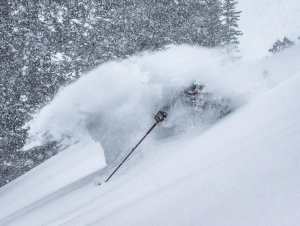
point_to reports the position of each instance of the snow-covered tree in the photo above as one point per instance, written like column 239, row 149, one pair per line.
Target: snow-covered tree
column 279, row 45
column 212, row 23
column 231, row 32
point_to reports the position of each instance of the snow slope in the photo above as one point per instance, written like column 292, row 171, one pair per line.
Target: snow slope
column 79, row 161
column 242, row 171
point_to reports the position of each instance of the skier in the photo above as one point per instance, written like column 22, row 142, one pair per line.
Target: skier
column 194, row 89
column 192, row 96
column 189, row 96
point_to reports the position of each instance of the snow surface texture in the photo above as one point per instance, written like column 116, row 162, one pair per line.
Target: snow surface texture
column 242, row 171
column 59, row 171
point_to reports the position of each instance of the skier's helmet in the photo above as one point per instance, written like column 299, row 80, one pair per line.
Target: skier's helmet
column 195, row 88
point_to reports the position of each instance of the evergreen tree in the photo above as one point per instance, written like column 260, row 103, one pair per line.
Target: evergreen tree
column 231, row 32
column 212, row 24
column 279, row 45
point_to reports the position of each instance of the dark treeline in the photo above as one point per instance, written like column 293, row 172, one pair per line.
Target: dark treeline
column 46, row 44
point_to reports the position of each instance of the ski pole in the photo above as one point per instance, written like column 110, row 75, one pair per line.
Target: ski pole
column 159, row 117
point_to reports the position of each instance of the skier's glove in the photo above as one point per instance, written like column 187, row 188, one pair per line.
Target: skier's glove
column 160, row 116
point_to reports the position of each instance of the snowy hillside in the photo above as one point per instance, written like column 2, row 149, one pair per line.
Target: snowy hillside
column 242, row 171
column 239, row 170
